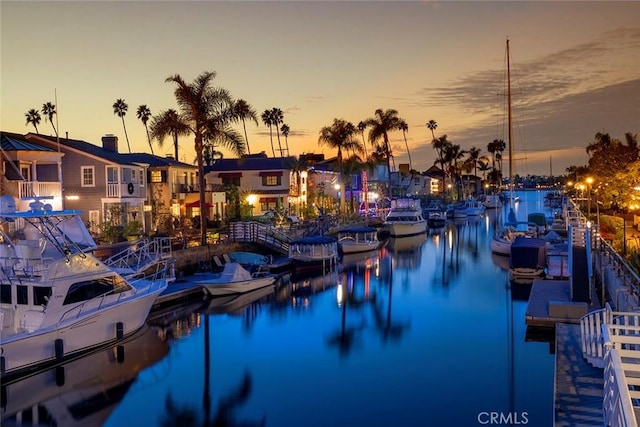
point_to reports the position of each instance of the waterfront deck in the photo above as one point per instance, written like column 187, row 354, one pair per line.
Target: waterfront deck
column 578, row 393
column 550, row 303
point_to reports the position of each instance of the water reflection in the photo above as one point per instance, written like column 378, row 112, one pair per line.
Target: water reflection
column 84, row 391
column 407, row 251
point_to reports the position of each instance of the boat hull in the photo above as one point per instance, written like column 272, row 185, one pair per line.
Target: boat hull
column 397, row 229
column 25, row 352
column 353, row 247
column 218, row 289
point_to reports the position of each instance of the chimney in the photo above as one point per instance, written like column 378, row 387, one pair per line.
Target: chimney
column 67, row 135
column 110, row 143
column 169, row 156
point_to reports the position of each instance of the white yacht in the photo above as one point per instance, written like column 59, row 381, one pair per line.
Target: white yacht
column 405, row 218
column 474, row 207
column 57, row 300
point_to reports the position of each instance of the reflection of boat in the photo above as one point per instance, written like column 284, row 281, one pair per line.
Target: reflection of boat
column 84, row 391
column 350, row 261
column 234, row 279
column 501, row 261
column 405, row 218
column 58, row 299
column 406, row 244
column 358, row 239
column 236, row 303
column 305, row 286
column 313, row 253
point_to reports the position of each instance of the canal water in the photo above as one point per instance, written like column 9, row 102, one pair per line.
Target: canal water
column 428, row 331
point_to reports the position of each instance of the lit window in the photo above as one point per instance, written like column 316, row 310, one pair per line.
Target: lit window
column 270, row 181
column 88, row 176
column 156, row 176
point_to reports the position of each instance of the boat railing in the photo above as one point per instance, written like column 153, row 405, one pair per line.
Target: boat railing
column 621, row 394
column 141, row 256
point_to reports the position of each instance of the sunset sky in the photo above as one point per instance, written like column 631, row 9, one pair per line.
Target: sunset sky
column 575, row 69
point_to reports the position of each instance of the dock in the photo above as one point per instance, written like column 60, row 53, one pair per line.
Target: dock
column 550, row 303
column 177, row 291
column 579, row 386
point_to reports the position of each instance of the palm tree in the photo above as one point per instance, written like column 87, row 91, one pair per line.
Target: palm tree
column 453, row 156
column 120, row 109
column 49, row 110
column 33, row 118
column 276, row 118
column 381, row 124
column 207, row 112
column 361, row 127
column 267, row 120
column 169, row 123
column 143, row 113
column 243, row 111
column 404, row 127
column 432, row 125
column 285, row 131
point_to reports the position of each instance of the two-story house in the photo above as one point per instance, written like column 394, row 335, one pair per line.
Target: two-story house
column 265, row 183
column 106, row 185
column 30, row 170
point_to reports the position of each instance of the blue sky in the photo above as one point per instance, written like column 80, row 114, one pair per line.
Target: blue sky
column 575, row 69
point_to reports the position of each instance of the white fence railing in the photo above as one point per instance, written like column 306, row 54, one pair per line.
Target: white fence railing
column 621, row 396
column 28, row 189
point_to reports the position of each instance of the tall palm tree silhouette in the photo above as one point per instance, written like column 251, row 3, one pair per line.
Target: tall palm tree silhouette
column 169, row 123
column 33, row 118
column 144, row 113
column 49, row 110
column 383, row 122
column 277, row 117
column 243, row 111
column 268, row 121
column 120, row 109
column 285, row 132
column 404, row 127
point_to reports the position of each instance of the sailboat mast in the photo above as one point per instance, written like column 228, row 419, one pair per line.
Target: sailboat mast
column 510, row 127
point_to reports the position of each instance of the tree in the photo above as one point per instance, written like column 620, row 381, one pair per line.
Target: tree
column 120, row 109
column 361, row 127
column 208, row 112
column 381, row 124
column 49, row 110
column 453, row 156
column 432, row 125
column 441, row 145
column 404, row 127
column 268, row 121
column 243, row 111
column 169, row 123
column 33, row 118
column 276, row 119
column 608, row 154
column 496, row 147
column 143, row 113
column 474, row 157
column 285, row 131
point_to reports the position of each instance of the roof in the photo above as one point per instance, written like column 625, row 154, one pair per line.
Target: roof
column 314, row 240
column 16, row 142
column 251, row 163
column 153, row 160
column 358, row 229
column 86, row 147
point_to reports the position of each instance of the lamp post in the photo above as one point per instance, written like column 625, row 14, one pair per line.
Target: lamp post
column 589, row 181
column 337, row 188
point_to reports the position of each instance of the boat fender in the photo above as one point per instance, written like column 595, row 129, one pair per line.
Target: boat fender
column 120, row 354
column 119, row 330
column 59, row 348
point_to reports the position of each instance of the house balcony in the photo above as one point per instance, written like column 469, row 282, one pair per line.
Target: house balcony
column 125, row 190
column 185, row 188
column 29, row 189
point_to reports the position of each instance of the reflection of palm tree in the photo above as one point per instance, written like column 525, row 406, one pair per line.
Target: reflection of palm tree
column 384, row 325
column 345, row 338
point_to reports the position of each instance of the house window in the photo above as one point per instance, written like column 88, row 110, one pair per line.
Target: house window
column 134, row 176
column 25, row 171
column 156, row 176
column 112, row 175
column 227, row 182
column 271, row 181
column 269, row 206
column 88, row 176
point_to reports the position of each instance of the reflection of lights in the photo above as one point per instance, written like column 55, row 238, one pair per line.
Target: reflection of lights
column 450, row 237
column 339, row 294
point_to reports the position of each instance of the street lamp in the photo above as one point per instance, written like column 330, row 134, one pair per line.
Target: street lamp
column 589, row 181
column 251, row 199
column 337, row 188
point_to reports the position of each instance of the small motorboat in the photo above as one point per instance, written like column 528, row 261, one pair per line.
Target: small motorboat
column 234, row 279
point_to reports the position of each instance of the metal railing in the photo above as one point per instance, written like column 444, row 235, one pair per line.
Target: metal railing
column 256, row 232
column 138, row 258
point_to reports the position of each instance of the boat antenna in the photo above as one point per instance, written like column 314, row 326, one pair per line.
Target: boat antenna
column 510, row 132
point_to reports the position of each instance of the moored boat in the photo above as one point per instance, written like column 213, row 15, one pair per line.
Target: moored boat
column 57, row 299
column 234, row 279
column 313, row 253
column 528, row 259
column 405, row 218
column 492, row 201
column 358, row 239
column 474, row 207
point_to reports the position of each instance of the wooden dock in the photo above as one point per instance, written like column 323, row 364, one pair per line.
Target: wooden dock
column 578, row 393
column 550, row 303
column 177, row 291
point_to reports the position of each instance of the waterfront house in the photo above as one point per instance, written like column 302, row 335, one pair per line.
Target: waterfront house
column 266, row 183
column 29, row 169
column 104, row 184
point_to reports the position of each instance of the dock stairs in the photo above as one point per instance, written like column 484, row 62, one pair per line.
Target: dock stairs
column 611, row 340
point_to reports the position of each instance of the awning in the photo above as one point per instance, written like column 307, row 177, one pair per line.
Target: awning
column 230, row 175
column 196, row 204
column 271, row 173
column 268, row 199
